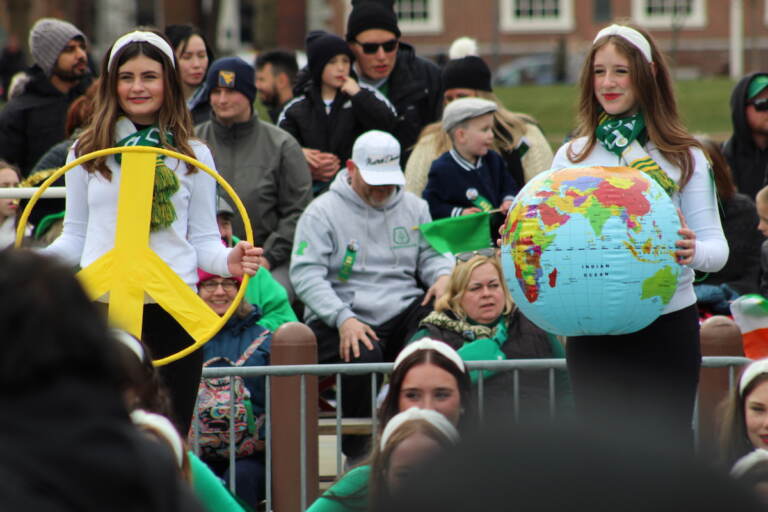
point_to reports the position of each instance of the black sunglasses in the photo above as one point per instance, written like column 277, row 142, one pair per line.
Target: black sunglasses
column 370, row 48
column 466, row 256
column 761, row 105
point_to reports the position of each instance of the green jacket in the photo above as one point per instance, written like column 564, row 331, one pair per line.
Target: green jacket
column 264, row 291
column 349, row 494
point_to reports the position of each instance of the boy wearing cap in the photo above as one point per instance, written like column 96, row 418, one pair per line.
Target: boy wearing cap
column 334, row 109
column 470, row 177
column 263, row 164
column 747, row 149
column 357, row 263
column 32, row 122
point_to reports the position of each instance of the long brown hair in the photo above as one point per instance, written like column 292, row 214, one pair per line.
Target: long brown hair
column 652, row 85
column 378, row 489
column 734, row 440
column 724, row 184
column 173, row 116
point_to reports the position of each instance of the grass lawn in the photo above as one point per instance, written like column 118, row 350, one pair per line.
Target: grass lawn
column 704, row 105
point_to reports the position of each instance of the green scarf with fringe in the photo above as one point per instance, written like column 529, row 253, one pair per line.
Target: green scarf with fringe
column 625, row 138
column 166, row 181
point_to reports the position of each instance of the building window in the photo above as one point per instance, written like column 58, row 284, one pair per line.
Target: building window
column 670, row 13
column 602, row 11
column 536, row 15
column 419, row 16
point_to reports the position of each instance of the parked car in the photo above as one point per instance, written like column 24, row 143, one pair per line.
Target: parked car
column 531, row 69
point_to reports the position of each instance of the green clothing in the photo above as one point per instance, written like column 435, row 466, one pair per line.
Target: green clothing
column 209, row 488
column 349, row 494
column 264, row 291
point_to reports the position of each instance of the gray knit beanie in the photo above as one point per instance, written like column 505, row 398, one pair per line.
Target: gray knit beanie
column 47, row 38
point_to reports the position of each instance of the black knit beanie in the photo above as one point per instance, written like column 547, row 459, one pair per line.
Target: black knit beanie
column 233, row 73
column 371, row 14
column 470, row 72
column 322, row 47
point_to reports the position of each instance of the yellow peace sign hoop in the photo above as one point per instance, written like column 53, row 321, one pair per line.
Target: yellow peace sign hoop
column 131, row 255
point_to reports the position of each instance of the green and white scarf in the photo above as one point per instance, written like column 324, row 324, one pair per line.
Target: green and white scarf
column 166, row 181
column 625, row 137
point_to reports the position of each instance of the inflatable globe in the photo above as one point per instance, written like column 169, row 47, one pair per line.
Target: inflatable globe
column 591, row 250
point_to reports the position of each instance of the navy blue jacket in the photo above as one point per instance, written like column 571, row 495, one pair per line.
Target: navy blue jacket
column 232, row 340
column 448, row 182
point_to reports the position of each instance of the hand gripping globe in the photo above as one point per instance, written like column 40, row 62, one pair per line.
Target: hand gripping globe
column 591, row 250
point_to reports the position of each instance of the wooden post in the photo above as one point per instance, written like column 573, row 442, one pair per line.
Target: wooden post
column 720, row 336
column 294, row 343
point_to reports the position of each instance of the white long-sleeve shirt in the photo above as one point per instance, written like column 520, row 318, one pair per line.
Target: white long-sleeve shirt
column 190, row 242
column 696, row 200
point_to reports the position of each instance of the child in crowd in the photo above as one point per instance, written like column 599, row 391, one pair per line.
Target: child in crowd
column 334, row 109
column 9, row 178
column 761, row 202
column 470, row 177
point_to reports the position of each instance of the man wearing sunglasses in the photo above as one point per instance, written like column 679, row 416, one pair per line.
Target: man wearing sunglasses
column 747, row 149
column 412, row 84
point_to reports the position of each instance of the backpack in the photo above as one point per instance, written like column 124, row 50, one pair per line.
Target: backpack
column 213, row 411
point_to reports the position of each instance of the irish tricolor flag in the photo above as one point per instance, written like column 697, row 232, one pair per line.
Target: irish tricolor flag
column 751, row 315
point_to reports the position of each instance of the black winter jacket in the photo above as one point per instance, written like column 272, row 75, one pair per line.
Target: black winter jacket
column 415, row 88
column 305, row 118
column 748, row 162
column 33, row 122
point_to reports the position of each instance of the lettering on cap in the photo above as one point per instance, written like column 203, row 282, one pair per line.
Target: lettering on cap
column 380, row 160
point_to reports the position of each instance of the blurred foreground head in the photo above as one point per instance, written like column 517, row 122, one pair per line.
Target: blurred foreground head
column 50, row 327
column 568, row 467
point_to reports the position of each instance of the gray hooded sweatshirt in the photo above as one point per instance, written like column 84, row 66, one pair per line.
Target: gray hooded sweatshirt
column 389, row 256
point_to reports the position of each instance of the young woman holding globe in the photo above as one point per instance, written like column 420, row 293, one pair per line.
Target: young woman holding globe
column 628, row 115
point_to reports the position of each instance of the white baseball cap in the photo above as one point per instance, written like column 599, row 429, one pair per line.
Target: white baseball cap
column 377, row 155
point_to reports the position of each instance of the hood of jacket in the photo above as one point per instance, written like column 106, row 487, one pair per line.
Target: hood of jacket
column 741, row 131
column 343, row 188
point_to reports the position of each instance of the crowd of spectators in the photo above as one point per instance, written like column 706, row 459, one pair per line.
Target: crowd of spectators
column 365, row 144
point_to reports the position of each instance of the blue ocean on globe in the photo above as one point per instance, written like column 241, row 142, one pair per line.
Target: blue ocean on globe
column 591, row 250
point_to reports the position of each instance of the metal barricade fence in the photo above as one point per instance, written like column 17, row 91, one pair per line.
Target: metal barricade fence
column 374, row 369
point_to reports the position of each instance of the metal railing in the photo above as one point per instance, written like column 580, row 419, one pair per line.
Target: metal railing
column 27, row 192
column 374, row 369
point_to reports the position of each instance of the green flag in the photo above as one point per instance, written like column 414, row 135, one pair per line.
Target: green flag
column 459, row 234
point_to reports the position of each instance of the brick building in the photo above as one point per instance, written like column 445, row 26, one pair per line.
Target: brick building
column 695, row 33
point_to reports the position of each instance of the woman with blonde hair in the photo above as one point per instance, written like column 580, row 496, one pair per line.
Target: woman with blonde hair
column 517, row 137
column 477, row 317
column 628, row 117
column 139, row 102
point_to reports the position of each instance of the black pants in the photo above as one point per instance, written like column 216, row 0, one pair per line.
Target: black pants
column 164, row 336
column 356, row 390
column 643, row 382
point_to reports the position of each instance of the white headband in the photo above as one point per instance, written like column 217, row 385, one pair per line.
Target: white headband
column 629, row 34
column 130, row 342
column 430, row 344
column 746, row 463
column 753, row 370
column 436, row 419
column 138, row 36
column 162, row 426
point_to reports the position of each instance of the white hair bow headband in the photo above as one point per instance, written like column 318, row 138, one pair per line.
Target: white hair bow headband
column 162, row 426
column 436, row 419
column 139, row 36
column 630, row 35
column 430, row 344
column 753, row 370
